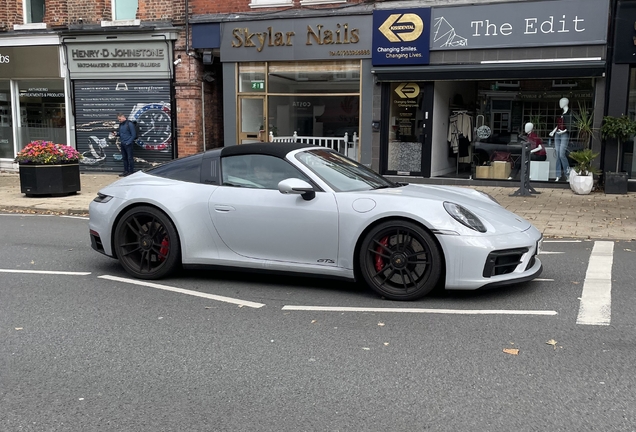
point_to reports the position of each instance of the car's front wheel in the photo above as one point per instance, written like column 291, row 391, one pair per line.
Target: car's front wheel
column 146, row 243
column 400, row 260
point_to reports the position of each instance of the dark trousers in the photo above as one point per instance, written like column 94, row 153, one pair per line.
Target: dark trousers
column 533, row 157
column 127, row 156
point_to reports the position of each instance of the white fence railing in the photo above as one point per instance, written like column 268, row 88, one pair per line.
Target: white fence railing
column 340, row 144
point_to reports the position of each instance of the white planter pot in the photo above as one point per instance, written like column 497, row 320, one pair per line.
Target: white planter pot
column 581, row 185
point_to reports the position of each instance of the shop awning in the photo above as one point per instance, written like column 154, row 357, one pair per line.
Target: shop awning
column 489, row 71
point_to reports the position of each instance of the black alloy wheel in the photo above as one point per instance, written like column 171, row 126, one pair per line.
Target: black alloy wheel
column 400, row 260
column 146, row 243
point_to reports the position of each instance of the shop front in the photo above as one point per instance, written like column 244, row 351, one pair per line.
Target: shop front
column 619, row 157
column 33, row 99
column 303, row 79
column 494, row 74
column 128, row 74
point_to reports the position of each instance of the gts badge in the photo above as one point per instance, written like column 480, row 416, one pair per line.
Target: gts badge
column 326, row 261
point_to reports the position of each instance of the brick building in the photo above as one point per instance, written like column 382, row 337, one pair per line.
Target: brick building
column 67, row 68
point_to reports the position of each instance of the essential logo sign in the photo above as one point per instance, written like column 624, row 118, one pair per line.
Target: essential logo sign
column 407, row 90
column 401, row 37
column 4, row 58
column 402, row 27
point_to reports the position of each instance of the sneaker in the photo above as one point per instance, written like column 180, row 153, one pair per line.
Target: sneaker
column 557, row 179
column 123, row 174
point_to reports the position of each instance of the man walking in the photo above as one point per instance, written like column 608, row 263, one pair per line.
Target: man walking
column 127, row 136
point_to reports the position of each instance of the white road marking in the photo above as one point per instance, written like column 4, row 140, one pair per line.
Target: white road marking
column 45, row 272
column 184, row 291
column 25, row 214
column 543, row 280
column 561, row 241
column 75, row 217
column 412, row 310
column 596, row 301
column 550, row 253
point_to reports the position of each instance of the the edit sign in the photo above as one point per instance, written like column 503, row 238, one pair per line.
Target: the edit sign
column 536, row 23
column 401, row 37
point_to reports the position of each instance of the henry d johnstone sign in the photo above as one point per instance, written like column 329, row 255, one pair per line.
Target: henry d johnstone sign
column 518, row 24
column 122, row 59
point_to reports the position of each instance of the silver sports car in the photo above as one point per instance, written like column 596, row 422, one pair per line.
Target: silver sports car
column 304, row 209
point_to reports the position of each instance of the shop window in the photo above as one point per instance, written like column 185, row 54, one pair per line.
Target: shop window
column 33, row 11
column 627, row 149
column 125, row 9
column 269, row 3
column 42, row 111
column 310, row 99
column 6, row 123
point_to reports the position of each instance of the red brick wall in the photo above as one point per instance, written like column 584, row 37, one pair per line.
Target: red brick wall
column 199, row 7
column 10, row 13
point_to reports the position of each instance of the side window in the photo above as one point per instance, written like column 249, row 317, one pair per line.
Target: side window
column 257, row 171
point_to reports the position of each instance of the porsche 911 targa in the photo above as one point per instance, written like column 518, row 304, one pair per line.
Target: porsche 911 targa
column 295, row 208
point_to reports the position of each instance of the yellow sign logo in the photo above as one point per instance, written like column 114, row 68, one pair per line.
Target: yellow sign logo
column 407, row 90
column 408, row 26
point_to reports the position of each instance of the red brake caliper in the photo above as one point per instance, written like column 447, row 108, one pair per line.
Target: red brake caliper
column 379, row 261
column 165, row 247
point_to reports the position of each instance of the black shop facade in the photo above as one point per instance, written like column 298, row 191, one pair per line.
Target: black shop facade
column 481, row 75
column 129, row 74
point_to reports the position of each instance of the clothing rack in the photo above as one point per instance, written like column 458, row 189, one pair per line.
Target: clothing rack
column 464, row 130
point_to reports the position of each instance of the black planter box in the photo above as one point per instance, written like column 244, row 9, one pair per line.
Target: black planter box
column 49, row 179
column 615, row 182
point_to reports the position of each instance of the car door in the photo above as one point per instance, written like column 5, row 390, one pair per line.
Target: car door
column 255, row 220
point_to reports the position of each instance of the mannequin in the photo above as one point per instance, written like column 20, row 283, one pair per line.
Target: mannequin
column 561, row 134
column 537, row 151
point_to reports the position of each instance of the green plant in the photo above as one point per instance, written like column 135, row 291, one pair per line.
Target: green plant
column 620, row 128
column 584, row 159
column 583, row 122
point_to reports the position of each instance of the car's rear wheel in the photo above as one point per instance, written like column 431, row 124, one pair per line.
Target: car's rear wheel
column 146, row 243
column 400, row 260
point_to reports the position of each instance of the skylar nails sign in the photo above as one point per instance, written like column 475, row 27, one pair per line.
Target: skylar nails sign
column 523, row 23
column 335, row 37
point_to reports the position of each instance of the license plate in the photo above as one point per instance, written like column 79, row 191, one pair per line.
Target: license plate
column 540, row 246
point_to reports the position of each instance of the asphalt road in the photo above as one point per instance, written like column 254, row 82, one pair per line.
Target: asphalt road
column 97, row 352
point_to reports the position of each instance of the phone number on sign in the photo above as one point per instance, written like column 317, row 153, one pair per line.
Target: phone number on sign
column 349, row 53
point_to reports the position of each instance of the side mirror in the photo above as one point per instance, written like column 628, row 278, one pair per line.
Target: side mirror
column 298, row 187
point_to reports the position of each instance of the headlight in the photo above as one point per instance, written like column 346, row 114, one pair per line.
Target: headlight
column 464, row 216
column 102, row 198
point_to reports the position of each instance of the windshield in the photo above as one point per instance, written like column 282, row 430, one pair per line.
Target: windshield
column 342, row 174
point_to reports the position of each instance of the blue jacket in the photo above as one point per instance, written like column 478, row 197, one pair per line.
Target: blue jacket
column 127, row 134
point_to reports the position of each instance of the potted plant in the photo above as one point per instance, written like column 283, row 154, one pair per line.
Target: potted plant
column 583, row 122
column 47, row 168
column 621, row 129
column 582, row 174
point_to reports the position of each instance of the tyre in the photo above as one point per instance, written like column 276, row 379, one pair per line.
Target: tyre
column 400, row 261
column 147, row 244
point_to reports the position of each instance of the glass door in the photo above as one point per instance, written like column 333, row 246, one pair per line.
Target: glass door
column 252, row 120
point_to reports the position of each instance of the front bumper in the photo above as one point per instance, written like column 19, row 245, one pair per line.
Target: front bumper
column 474, row 262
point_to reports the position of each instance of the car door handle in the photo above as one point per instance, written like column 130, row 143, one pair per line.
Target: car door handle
column 223, row 208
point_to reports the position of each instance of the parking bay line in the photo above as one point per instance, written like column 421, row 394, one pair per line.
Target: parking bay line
column 417, row 310
column 596, row 300
column 51, row 272
column 184, row 291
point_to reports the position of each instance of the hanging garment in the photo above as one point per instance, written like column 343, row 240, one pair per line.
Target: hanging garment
column 460, row 126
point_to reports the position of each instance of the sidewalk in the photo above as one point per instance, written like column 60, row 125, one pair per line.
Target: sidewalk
column 556, row 212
